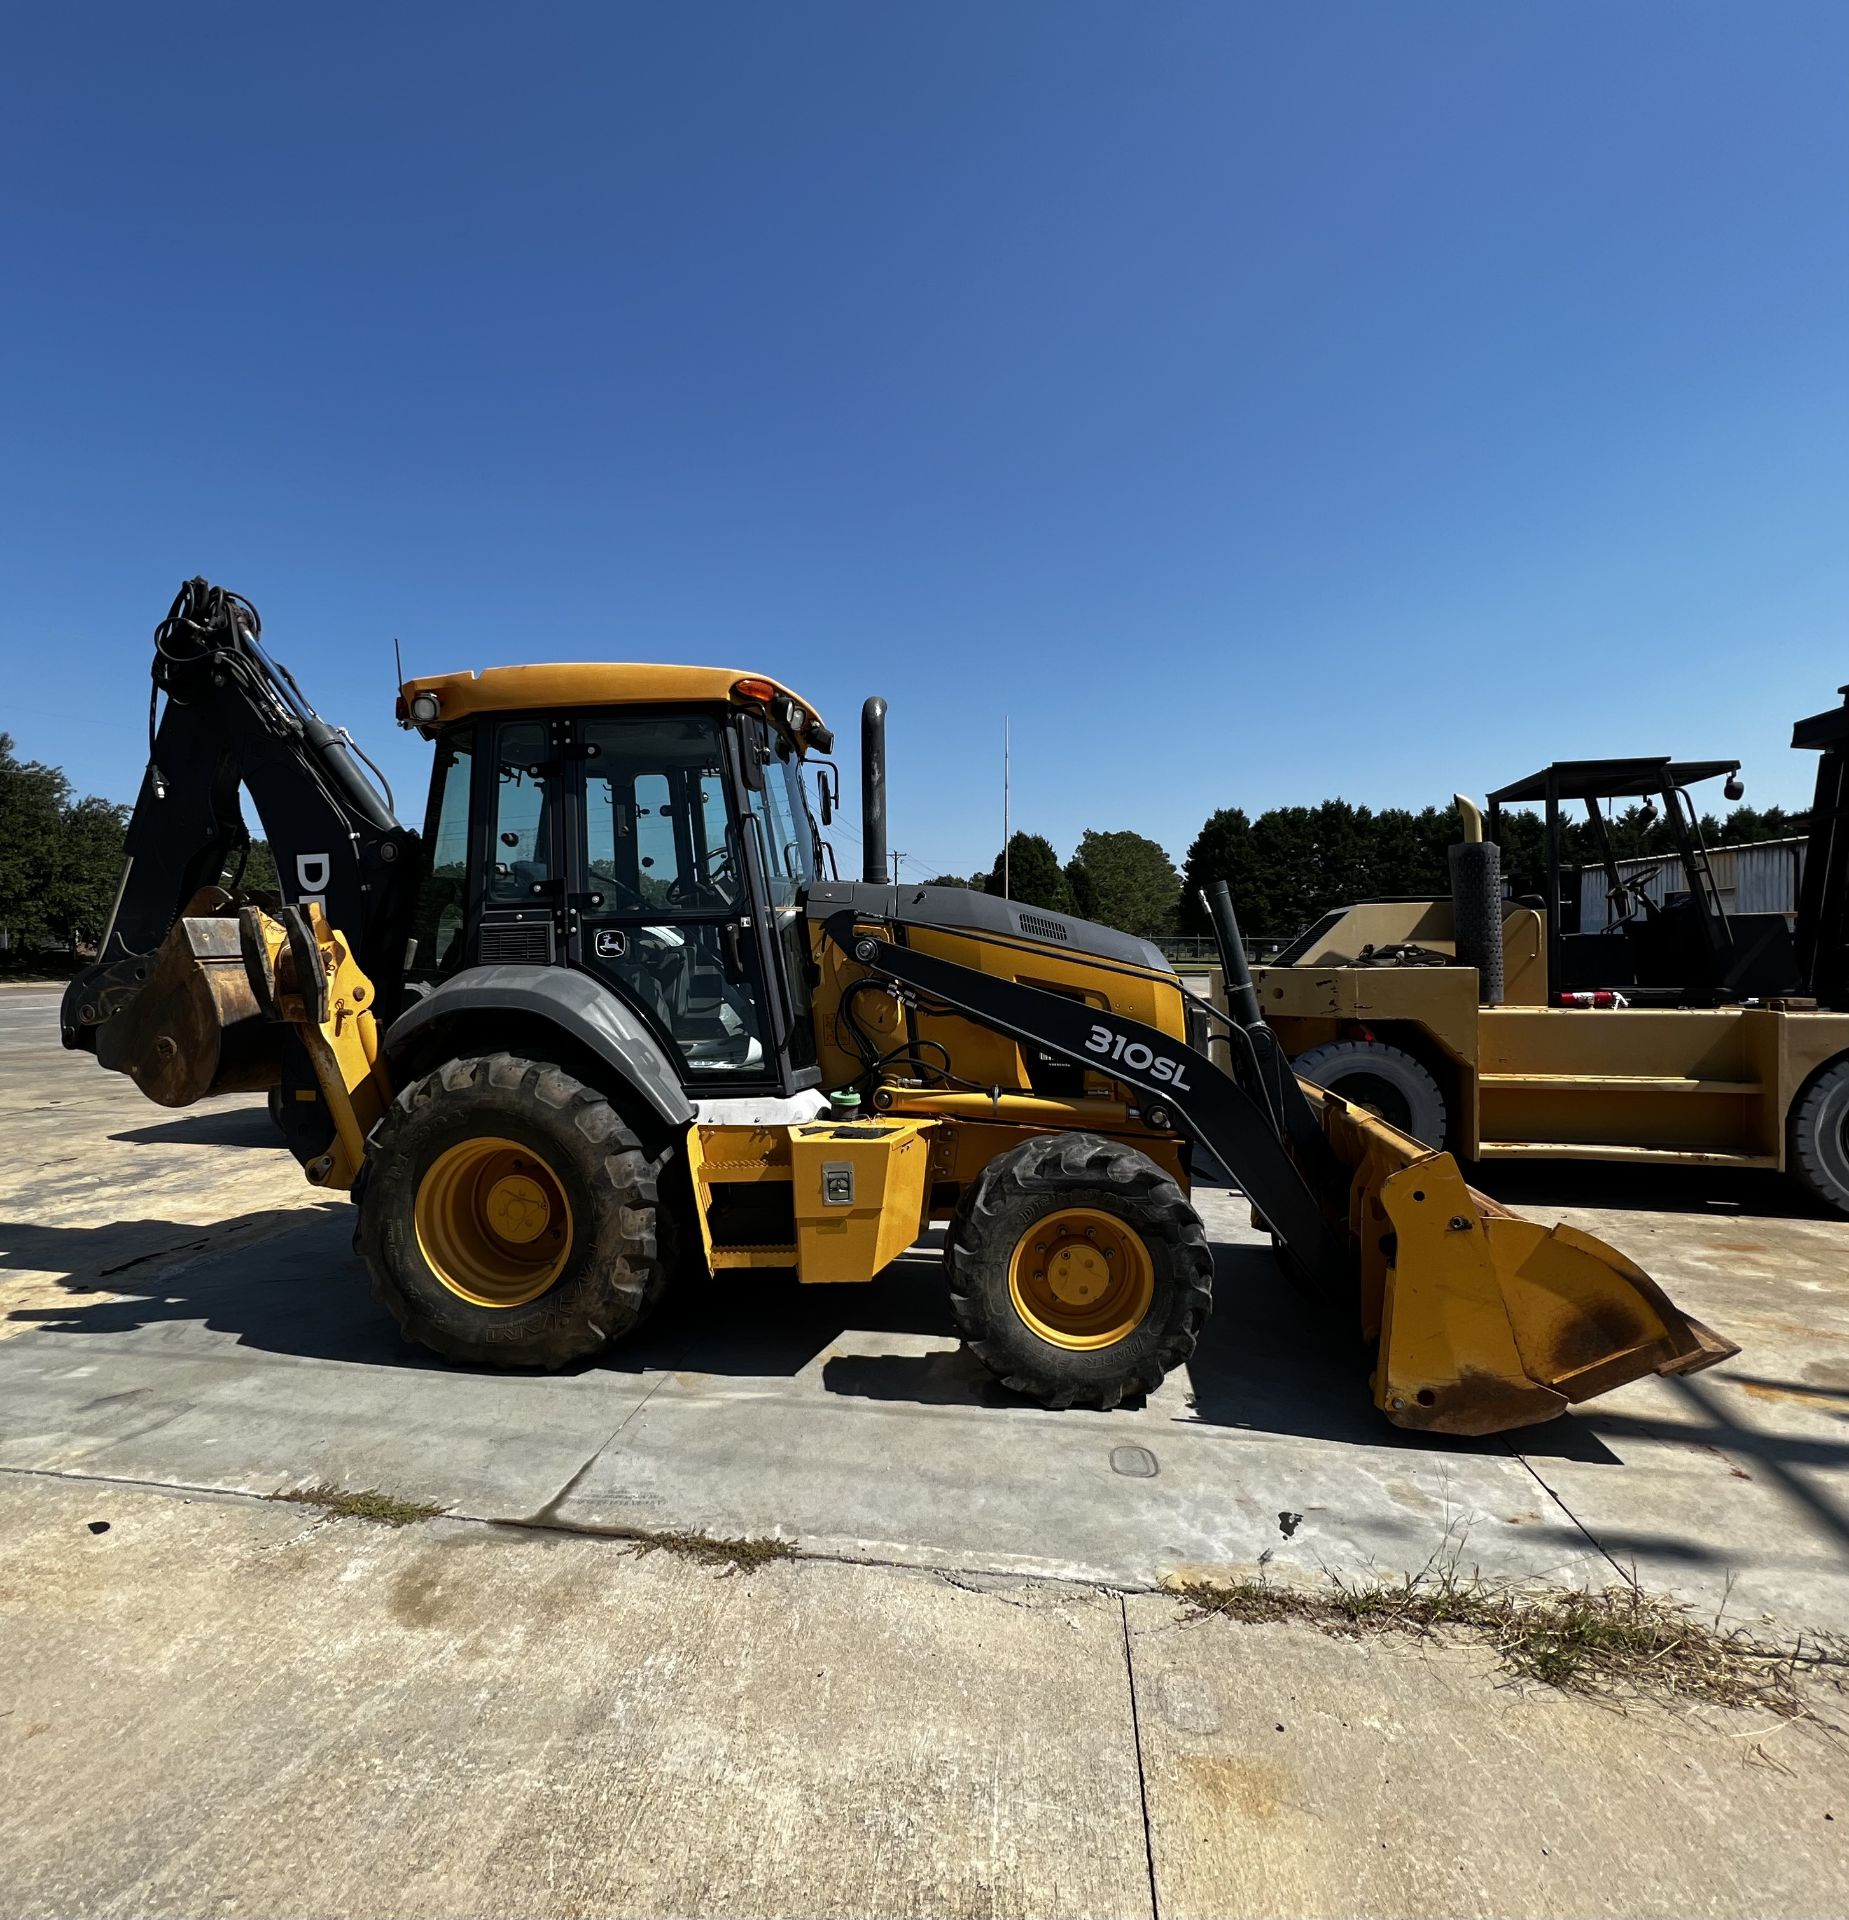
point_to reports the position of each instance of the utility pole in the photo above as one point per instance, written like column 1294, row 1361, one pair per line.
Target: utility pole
column 897, row 856
column 1006, row 754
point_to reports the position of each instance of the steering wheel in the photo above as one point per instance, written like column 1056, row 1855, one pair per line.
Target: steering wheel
column 705, row 888
column 1635, row 891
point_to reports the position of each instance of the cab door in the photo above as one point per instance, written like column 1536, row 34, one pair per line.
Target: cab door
column 663, row 900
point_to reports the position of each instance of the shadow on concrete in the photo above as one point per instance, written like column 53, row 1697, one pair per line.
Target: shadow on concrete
column 283, row 1280
column 286, row 1281
column 237, row 1127
column 1819, row 1393
column 1267, row 1362
column 1789, row 1461
column 1719, row 1191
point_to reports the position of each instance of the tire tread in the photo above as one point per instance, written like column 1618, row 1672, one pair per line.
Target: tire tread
column 1049, row 1165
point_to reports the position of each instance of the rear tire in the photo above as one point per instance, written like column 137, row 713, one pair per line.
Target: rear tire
column 1078, row 1271
column 1817, row 1137
column 1386, row 1080
column 511, row 1217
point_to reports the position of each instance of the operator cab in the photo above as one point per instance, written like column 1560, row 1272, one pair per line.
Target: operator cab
column 1685, row 950
column 646, row 825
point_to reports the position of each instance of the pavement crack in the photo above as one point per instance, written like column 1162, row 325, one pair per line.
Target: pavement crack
column 547, row 1514
column 993, row 1586
column 159, row 1253
column 228, row 1233
column 1626, row 1574
column 1142, row 1778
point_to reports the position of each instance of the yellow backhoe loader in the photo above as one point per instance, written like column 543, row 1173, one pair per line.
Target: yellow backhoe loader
column 1678, row 1032
column 606, row 1025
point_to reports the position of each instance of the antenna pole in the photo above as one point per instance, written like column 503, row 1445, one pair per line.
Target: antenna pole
column 1007, row 744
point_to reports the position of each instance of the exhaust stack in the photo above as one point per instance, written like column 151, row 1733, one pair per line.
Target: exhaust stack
column 873, row 791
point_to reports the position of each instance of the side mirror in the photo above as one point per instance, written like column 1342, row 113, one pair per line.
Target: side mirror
column 825, row 795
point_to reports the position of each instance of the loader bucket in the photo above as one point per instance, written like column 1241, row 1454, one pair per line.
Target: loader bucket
column 194, row 1027
column 1484, row 1320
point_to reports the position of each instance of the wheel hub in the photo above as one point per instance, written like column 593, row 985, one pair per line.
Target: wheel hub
column 517, row 1208
column 1082, row 1278
column 1077, row 1274
column 493, row 1222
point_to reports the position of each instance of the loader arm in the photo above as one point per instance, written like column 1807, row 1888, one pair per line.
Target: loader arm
column 1484, row 1321
column 1169, row 1077
column 168, row 999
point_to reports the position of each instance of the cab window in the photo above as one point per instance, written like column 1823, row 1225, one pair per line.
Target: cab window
column 438, row 926
column 520, row 861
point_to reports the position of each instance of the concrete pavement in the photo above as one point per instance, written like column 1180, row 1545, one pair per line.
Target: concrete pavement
column 221, row 1705
column 964, row 1698
column 178, row 1307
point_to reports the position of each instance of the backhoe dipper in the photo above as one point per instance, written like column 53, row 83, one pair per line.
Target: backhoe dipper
column 605, row 1024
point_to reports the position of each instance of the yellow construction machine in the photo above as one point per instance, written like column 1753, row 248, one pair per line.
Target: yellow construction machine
column 605, row 1026
column 1677, row 1031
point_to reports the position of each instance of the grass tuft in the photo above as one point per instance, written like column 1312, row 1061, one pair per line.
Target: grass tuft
column 1616, row 1643
column 386, row 1508
column 735, row 1556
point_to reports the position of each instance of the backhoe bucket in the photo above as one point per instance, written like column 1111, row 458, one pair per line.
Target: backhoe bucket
column 1484, row 1320
column 194, row 1027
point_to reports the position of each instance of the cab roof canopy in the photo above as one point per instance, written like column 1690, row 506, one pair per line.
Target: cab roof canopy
column 1611, row 779
column 600, row 683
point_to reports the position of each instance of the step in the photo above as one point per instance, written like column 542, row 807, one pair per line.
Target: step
column 1594, row 1150
column 1614, row 1083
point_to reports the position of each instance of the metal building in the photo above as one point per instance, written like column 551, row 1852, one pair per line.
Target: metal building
column 1758, row 878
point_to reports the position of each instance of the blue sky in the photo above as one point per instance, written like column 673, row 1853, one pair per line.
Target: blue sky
column 1255, row 402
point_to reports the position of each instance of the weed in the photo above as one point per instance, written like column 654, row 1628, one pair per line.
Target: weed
column 1617, row 1642
column 386, row 1508
column 735, row 1556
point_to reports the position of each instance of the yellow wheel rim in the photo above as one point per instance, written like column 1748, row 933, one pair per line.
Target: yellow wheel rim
column 1081, row 1278
column 493, row 1222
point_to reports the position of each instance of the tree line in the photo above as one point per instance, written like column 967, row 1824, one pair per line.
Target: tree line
column 60, row 856
column 1289, row 865
column 61, row 860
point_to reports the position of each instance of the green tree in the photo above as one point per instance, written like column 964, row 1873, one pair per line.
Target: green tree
column 82, row 890
column 1410, row 849
column 1223, row 850
column 1035, row 878
column 60, row 860
column 259, row 869
column 947, row 880
column 1125, row 880
column 1746, row 824
column 33, row 797
column 1083, row 891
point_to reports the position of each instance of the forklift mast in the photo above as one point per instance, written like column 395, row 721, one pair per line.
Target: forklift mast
column 1823, row 898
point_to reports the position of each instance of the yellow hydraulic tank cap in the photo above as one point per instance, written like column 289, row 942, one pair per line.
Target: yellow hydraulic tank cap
column 517, row 1208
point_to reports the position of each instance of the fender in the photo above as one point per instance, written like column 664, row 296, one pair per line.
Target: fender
column 573, row 1002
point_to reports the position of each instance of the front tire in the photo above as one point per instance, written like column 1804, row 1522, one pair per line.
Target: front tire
column 1079, row 1274
column 511, row 1217
column 1817, row 1137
